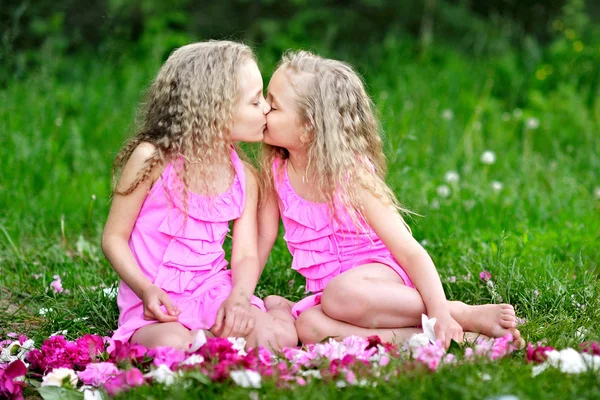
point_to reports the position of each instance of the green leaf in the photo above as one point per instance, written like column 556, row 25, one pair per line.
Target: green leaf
column 59, row 393
column 454, row 347
column 198, row 376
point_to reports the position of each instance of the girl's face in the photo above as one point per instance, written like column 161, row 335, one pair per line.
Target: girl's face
column 284, row 128
column 249, row 116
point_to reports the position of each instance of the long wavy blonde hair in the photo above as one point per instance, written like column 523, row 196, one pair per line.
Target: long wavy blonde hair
column 345, row 150
column 188, row 113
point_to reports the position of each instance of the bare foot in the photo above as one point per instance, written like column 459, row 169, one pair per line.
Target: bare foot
column 274, row 302
column 493, row 320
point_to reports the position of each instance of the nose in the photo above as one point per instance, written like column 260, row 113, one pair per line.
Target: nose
column 266, row 108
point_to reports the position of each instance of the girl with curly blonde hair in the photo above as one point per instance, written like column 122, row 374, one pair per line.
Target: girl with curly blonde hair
column 179, row 181
column 324, row 174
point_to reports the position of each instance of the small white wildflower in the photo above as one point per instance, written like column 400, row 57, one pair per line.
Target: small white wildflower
column 581, row 333
column 485, row 377
column 505, row 116
column 44, row 311
column 424, row 242
column 532, row 123
column 60, row 333
column 448, row 114
column 443, row 191
column 488, row 157
column 246, row 378
column 469, row 204
column 517, row 113
column 597, row 193
column 490, row 283
column 58, row 376
column 313, row 373
column 452, row 177
column 435, row 204
column 93, row 197
column 497, row 186
column 110, row 292
column 81, row 319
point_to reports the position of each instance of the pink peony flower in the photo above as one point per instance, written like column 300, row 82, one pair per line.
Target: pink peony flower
column 96, row 374
column 166, row 355
column 56, row 284
column 431, row 354
column 10, row 388
column 124, row 381
column 485, row 276
column 537, row 354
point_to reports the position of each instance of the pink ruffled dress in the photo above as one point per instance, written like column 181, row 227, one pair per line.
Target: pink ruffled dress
column 323, row 247
column 184, row 258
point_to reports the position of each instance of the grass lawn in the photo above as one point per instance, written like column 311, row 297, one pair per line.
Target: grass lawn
column 531, row 218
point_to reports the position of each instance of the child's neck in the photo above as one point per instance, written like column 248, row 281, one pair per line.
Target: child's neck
column 299, row 161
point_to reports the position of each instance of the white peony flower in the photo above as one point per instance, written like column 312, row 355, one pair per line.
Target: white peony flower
column 9, row 353
column 443, row 191
column 199, row 341
column 488, row 157
column 246, row 378
column 193, row 360
column 91, row 394
column 239, row 344
column 162, row 374
column 569, row 361
column 428, row 327
column 58, row 376
column 416, row 341
column 452, row 177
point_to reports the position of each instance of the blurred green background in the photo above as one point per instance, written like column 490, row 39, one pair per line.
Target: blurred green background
column 452, row 80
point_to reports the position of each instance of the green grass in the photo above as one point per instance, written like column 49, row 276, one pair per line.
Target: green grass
column 62, row 125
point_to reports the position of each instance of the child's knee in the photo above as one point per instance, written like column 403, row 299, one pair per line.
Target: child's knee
column 343, row 302
column 307, row 327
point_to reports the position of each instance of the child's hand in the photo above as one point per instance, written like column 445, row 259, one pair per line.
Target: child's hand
column 234, row 318
column 447, row 329
column 153, row 297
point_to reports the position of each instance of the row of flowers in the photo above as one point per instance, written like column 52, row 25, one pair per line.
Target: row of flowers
column 86, row 368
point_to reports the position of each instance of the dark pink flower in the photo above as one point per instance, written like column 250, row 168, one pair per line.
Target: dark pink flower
column 537, row 354
column 591, row 347
column 9, row 388
column 485, row 276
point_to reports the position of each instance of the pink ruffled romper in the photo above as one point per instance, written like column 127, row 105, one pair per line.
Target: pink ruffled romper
column 187, row 262
column 322, row 247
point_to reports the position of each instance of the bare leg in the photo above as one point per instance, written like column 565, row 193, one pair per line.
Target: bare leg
column 171, row 334
column 374, row 296
column 313, row 326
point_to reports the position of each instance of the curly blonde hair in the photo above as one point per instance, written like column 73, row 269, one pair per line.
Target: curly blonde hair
column 345, row 150
column 188, row 113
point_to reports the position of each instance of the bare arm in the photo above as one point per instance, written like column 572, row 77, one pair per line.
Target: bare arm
column 413, row 258
column 123, row 213
column 268, row 227
column 245, row 267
